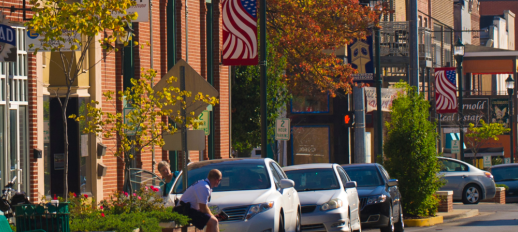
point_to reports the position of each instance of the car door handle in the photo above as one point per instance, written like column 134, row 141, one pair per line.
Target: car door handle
column 464, row 176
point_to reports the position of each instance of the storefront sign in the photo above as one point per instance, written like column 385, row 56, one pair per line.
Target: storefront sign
column 37, row 41
column 387, row 96
column 142, row 9
column 474, row 109
column 7, row 41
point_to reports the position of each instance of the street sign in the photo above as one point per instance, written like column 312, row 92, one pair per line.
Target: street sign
column 195, row 141
column 487, row 161
column 507, row 160
column 455, row 146
column 205, row 119
column 194, row 82
column 282, row 129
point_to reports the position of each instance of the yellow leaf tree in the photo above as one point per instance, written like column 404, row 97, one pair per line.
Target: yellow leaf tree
column 140, row 128
column 66, row 27
column 478, row 136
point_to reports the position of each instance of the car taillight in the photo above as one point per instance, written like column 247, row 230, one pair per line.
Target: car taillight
column 488, row 175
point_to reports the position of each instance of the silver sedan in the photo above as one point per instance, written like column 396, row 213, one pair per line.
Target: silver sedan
column 468, row 183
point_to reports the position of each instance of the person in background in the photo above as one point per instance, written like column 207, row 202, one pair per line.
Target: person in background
column 194, row 202
column 165, row 170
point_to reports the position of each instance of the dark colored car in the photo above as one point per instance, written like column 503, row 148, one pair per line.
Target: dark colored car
column 507, row 174
column 380, row 200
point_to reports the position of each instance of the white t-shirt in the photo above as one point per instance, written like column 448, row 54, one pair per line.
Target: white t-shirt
column 198, row 193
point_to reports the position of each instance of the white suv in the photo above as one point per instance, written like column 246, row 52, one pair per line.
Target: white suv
column 255, row 194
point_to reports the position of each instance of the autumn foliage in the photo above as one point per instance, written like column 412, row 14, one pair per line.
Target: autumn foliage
column 305, row 28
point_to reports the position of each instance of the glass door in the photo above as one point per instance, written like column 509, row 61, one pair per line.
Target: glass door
column 18, row 154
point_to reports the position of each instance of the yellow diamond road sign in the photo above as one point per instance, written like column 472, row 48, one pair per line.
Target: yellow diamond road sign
column 194, row 82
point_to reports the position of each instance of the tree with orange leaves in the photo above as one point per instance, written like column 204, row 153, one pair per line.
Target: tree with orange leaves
column 304, row 28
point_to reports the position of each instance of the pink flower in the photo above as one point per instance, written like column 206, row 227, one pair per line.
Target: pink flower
column 156, row 189
column 101, row 207
column 139, row 198
column 75, row 195
column 134, row 194
column 146, row 188
column 126, row 194
column 86, row 196
column 152, row 188
column 102, row 214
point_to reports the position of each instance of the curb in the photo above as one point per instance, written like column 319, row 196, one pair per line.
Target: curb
column 423, row 222
column 468, row 213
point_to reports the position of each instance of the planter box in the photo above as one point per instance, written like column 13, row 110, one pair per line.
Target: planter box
column 499, row 196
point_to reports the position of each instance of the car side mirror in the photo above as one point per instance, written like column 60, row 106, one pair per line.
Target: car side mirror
column 287, row 183
column 351, row 184
column 393, row 182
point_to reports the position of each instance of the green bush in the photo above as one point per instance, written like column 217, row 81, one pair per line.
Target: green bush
column 410, row 153
column 503, row 185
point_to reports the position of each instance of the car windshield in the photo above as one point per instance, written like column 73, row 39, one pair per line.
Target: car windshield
column 236, row 177
column 364, row 176
column 505, row 173
column 313, row 179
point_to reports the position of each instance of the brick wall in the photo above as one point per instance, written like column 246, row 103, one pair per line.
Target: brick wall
column 491, row 7
column 445, row 201
column 499, row 196
column 442, row 12
column 475, row 23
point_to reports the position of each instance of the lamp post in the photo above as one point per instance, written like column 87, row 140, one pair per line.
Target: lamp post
column 459, row 55
column 509, row 82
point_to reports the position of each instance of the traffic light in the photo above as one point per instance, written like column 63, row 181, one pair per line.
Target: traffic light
column 349, row 119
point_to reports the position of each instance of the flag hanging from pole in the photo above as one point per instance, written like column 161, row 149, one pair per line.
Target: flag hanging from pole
column 445, row 90
column 240, row 32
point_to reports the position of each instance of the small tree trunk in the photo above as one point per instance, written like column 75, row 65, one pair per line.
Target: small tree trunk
column 65, row 130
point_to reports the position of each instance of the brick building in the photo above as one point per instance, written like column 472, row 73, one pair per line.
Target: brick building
column 494, row 7
column 36, row 80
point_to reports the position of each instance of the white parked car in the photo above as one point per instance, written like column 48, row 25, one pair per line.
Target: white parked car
column 255, row 194
column 328, row 197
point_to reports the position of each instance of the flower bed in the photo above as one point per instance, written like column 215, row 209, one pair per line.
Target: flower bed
column 123, row 212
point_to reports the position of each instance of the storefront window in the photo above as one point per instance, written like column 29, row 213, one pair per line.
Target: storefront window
column 310, row 144
column 310, row 104
column 2, row 139
column 23, row 158
column 86, row 183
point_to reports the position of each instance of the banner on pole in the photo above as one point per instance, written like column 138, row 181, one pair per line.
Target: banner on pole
column 445, row 90
column 240, row 32
column 387, row 96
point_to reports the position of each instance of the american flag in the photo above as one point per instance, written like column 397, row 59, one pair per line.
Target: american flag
column 240, row 32
column 445, row 90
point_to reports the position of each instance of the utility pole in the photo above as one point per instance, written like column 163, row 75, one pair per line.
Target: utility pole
column 263, row 84
column 413, row 46
column 379, row 84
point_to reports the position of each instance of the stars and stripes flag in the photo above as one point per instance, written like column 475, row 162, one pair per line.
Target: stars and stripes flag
column 445, row 90
column 240, row 32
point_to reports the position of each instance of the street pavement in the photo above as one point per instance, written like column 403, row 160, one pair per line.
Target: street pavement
column 492, row 217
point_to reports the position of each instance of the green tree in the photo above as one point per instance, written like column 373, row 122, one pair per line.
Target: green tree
column 141, row 127
column 411, row 155
column 246, row 107
column 478, row 136
column 75, row 25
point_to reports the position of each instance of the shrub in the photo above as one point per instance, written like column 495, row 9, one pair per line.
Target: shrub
column 123, row 211
column 503, row 185
column 410, row 153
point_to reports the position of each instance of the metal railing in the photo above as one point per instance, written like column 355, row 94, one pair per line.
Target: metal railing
column 394, row 39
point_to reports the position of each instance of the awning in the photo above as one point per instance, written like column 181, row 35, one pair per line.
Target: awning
column 487, row 60
column 493, row 151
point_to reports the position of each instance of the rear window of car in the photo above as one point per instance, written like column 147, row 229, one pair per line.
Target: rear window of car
column 313, row 179
column 235, row 177
column 364, row 176
column 505, row 173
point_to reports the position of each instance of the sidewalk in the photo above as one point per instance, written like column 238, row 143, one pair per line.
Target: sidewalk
column 458, row 213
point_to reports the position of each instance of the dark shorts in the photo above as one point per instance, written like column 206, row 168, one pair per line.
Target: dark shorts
column 197, row 218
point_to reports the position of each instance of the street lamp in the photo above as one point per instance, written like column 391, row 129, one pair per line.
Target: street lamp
column 509, row 82
column 459, row 55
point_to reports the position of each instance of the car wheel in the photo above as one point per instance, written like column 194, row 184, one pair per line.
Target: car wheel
column 281, row 224
column 297, row 226
column 400, row 225
column 390, row 226
column 471, row 194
